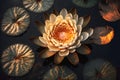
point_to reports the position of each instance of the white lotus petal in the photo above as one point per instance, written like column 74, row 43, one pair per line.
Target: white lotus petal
column 62, row 50
column 80, row 21
column 76, row 17
column 72, row 47
column 72, row 50
column 63, row 12
column 69, row 15
column 48, row 26
column 90, row 31
column 79, row 29
column 85, row 35
column 53, row 48
column 81, row 37
column 65, row 53
column 42, row 40
column 38, row 42
column 52, row 18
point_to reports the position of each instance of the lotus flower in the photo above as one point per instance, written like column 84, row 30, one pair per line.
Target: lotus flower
column 61, row 35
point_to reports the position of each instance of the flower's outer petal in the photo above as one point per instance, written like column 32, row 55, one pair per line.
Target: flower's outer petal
column 53, row 48
column 75, row 45
column 83, row 49
column 40, row 26
column 58, row 59
column 52, row 18
column 65, row 53
column 79, row 29
column 85, row 35
column 80, row 21
column 86, row 21
column 55, row 12
column 81, row 38
column 63, row 12
column 72, row 47
column 76, row 17
column 72, row 50
column 46, row 16
column 73, row 58
column 58, row 20
column 46, row 53
column 69, row 15
column 48, row 26
column 90, row 31
column 36, row 41
column 73, row 11
column 42, row 40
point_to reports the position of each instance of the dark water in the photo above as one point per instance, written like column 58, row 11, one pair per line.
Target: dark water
column 110, row 52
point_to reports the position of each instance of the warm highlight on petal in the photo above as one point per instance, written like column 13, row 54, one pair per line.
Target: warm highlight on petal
column 46, row 53
column 58, row 59
column 73, row 58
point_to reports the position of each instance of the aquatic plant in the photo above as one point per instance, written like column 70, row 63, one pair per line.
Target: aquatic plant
column 15, row 21
column 38, row 5
column 99, row 69
column 110, row 10
column 60, row 73
column 85, row 3
column 17, row 60
column 61, row 35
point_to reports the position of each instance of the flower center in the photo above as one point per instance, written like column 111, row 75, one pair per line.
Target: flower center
column 63, row 33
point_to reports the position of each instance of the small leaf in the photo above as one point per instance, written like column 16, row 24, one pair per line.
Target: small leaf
column 46, row 53
column 73, row 58
column 86, row 21
column 58, row 59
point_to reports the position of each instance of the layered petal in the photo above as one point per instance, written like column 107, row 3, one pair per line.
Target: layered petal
column 36, row 41
column 63, row 12
column 64, row 53
column 85, row 35
column 58, row 59
column 46, row 53
column 73, row 58
column 83, row 49
column 52, row 18
column 86, row 21
column 40, row 26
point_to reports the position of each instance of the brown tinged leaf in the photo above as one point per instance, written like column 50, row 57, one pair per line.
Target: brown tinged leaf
column 40, row 26
column 73, row 58
column 55, row 12
column 36, row 41
column 86, row 20
column 46, row 16
column 103, row 35
column 46, row 53
column 58, row 59
column 73, row 11
column 83, row 49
